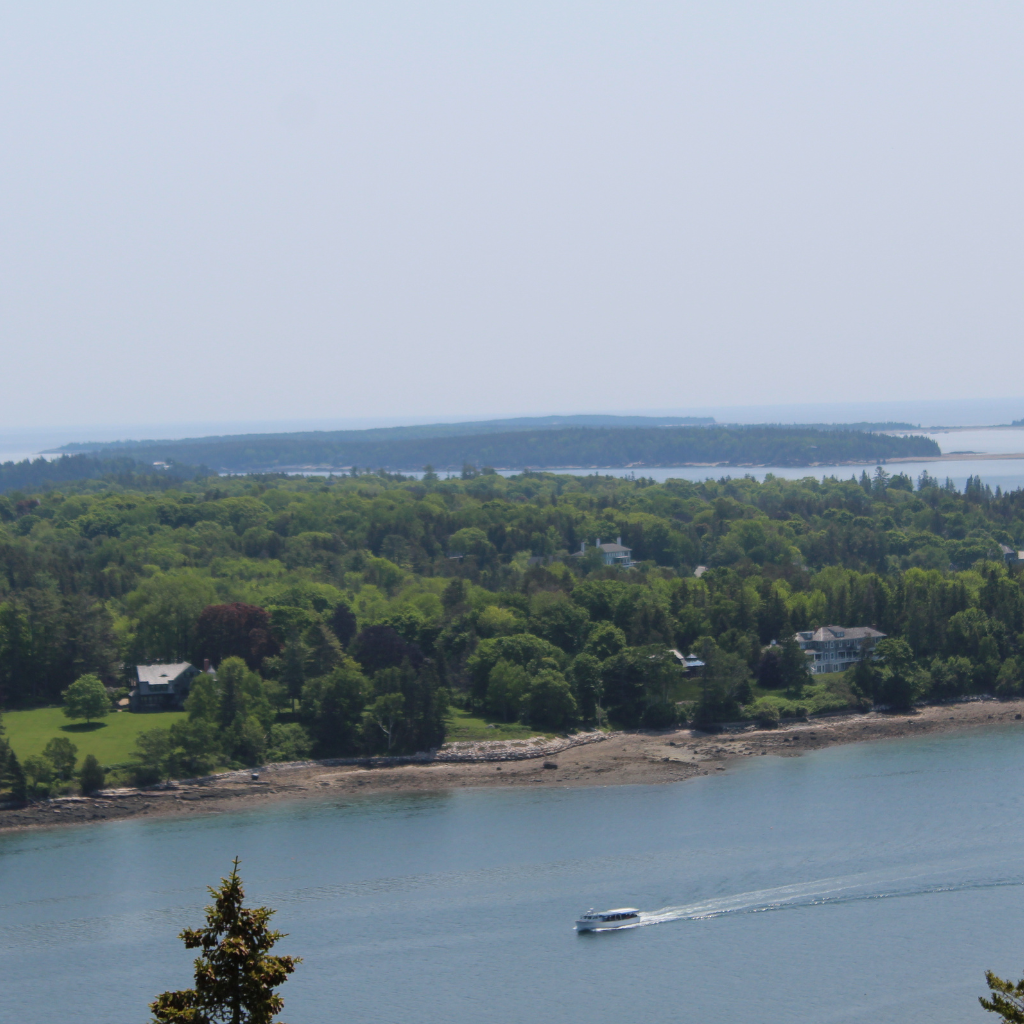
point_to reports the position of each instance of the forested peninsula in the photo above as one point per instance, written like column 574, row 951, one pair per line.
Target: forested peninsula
column 359, row 614
column 551, row 446
column 122, row 470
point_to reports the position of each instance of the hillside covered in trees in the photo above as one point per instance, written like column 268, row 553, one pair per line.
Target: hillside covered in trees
column 123, row 470
column 348, row 615
column 550, row 446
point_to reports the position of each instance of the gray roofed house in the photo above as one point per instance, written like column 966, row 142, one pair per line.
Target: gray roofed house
column 616, row 554
column 836, row 648
column 161, row 687
column 612, row 554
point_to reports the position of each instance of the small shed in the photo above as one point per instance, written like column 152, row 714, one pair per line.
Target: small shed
column 690, row 663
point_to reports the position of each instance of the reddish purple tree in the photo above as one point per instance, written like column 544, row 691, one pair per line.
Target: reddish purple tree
column 234, row 631
column 378, row 647
column 343, row 622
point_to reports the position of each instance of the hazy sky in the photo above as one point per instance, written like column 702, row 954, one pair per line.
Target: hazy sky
column 244, row 211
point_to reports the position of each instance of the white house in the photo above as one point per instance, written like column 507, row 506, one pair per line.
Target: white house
column 836, row 648
column 614, row 554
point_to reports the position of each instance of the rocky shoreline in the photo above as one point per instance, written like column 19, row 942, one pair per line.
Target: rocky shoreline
column 586, row 759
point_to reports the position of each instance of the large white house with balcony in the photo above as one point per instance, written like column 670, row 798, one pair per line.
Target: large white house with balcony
column 836, row 648
column 612, row 554
column 616, row 554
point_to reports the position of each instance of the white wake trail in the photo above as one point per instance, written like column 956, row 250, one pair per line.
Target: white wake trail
column 820, row 891
column 801, row 894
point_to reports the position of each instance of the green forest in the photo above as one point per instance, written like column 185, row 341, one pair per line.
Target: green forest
column 30, row 474
column 550, row 446
column 357, row 615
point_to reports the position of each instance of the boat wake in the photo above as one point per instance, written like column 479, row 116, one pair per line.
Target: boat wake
column 816, row 893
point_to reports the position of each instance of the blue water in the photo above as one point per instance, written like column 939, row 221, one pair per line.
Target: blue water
column 1005, row 473
column 868, row 883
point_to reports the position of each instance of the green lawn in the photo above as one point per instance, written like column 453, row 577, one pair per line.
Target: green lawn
column 688, row 689
column 112, row 740
column 464, row 726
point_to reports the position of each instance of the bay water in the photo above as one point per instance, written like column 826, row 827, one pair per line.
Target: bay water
column 1007, row 473
column 872, row 882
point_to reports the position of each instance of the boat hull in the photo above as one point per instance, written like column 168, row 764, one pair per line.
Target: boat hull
column 585, row 925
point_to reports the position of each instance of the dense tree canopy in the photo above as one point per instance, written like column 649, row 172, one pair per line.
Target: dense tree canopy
column 324, row 601
column 127, row 471
column 234, row 630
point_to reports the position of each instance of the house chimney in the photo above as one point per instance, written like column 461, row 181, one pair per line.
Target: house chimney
column 583, row 546
column 598, row 541
column 206, row 664
column 618, row 540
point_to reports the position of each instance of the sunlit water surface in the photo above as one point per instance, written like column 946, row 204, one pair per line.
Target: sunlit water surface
column 868, row 883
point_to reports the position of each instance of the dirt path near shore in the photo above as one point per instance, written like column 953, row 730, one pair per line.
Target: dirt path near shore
column 620, row 759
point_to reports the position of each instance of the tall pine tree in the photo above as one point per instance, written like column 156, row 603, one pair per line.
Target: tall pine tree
column 235, row 975
column 1007, row 999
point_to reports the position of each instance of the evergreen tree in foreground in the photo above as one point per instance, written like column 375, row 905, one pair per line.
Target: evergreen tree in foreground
column 1007, row 999
column 235, row 975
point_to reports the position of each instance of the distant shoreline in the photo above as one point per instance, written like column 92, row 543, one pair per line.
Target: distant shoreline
column 961, row 456
column 950, row 457
column 621, row 759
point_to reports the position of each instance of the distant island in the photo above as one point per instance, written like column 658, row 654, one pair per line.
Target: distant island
column 417, row 431
column 565, row 442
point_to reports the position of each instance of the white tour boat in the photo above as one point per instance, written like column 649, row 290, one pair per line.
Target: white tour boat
column 600, row 920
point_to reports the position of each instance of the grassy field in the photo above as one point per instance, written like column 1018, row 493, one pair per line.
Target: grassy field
column 464, row 726
column 111, row 740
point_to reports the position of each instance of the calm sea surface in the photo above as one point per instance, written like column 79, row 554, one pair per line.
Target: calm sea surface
column 1005, row 473
column 868, row 883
